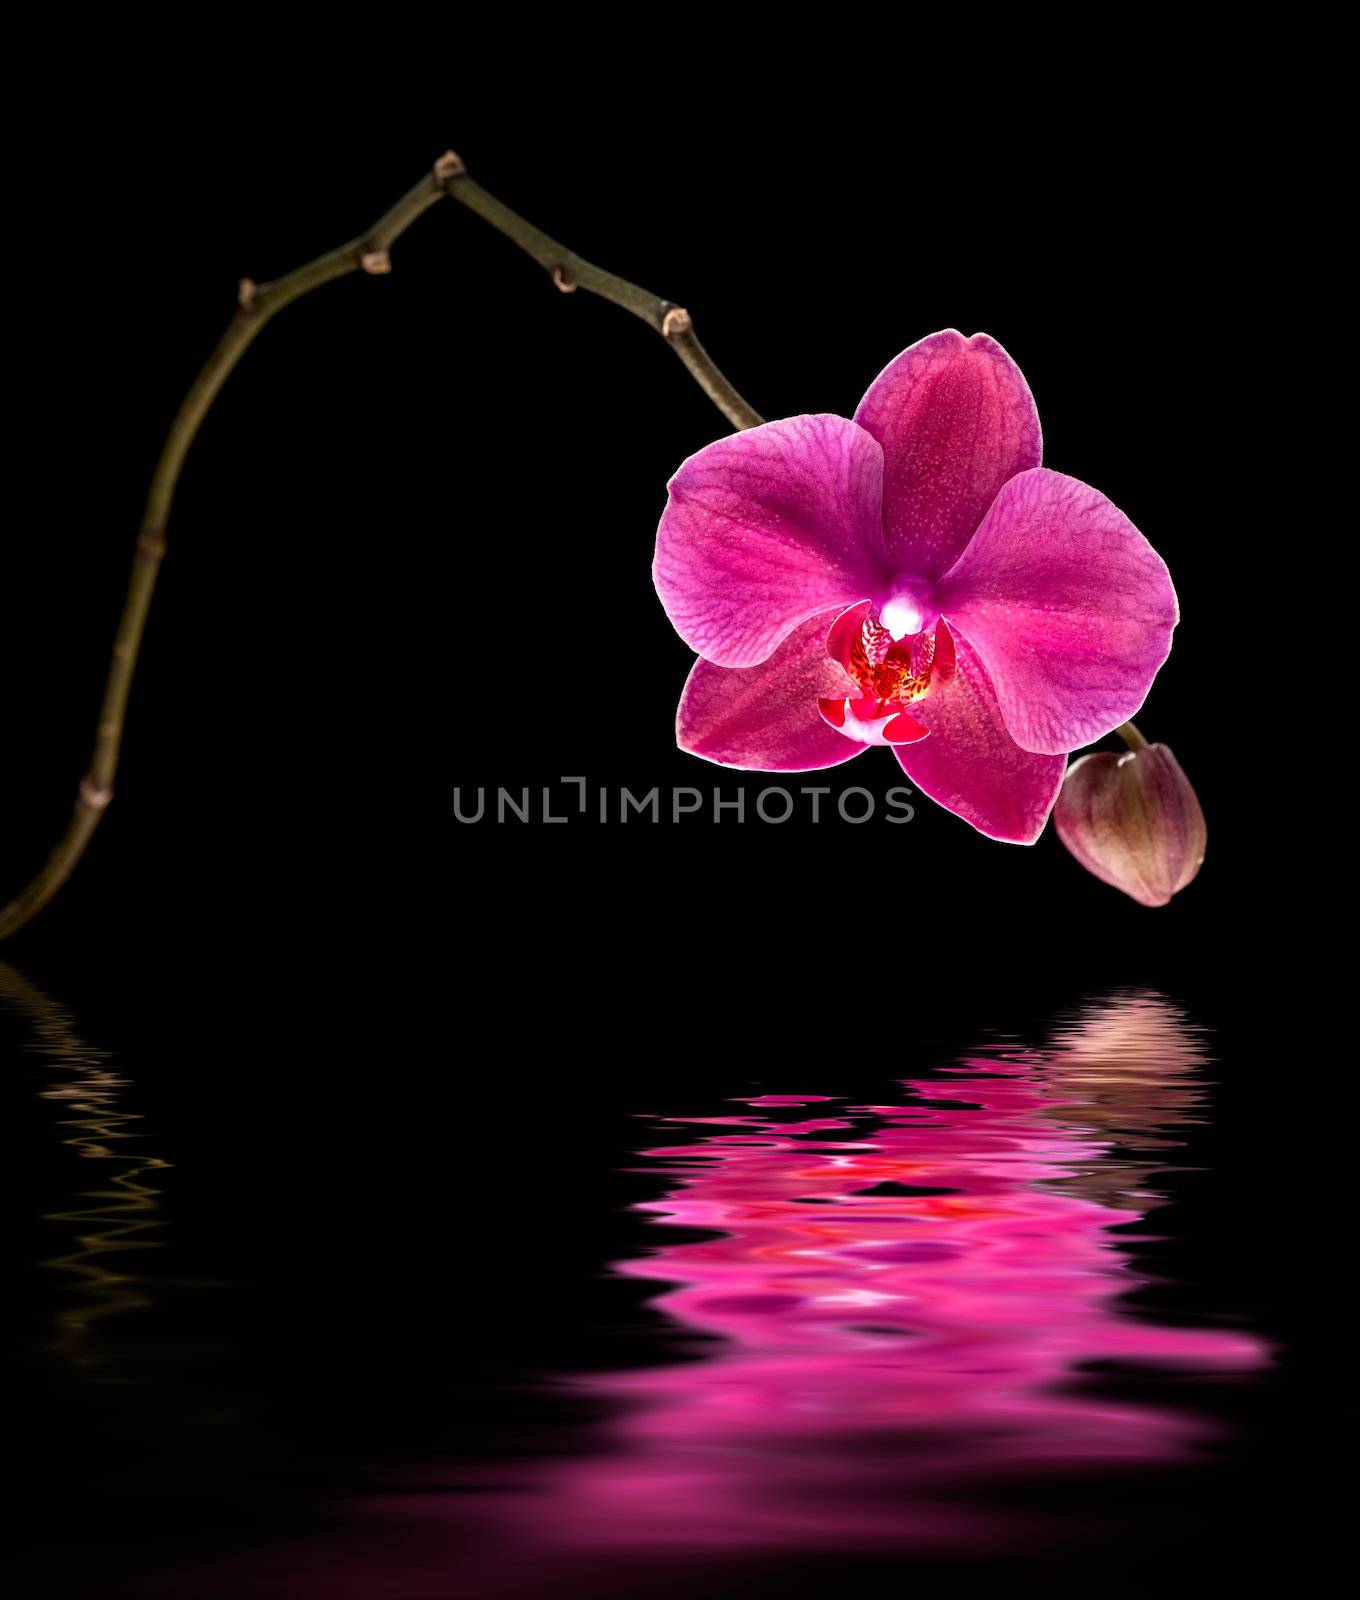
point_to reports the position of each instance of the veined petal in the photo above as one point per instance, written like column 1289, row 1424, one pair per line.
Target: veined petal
column 765, row 529
column 765, row 718
column 971, row 765
column 1068, row 605
column 956, row 420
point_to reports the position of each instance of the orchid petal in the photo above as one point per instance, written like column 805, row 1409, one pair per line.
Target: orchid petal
column 765, row 718
column 767, row 528
column 1068, row 605
column 971, row 765
column 956, row 420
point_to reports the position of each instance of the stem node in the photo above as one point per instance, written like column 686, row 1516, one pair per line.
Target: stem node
column 676, row 322
column 448, row 167
column 94, row 796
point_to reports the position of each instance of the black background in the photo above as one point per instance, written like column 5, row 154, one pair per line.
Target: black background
column 410, row 550
column 411, row 547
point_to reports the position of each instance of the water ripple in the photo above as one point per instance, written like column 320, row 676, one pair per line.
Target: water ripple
column 108, row 1225
column 901, row 1318
column 903, row 1314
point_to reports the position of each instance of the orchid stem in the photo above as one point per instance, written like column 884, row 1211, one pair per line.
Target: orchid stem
column 257, row 304
column 570, row 272
column 1131, row 736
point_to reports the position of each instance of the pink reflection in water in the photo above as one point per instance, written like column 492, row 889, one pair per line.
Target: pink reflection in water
column 880, row 1351
column 895, row 1313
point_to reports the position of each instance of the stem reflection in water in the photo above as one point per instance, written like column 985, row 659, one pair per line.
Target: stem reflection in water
column 109, row 1224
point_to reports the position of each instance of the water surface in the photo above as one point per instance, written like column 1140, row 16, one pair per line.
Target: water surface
column 834, row 1333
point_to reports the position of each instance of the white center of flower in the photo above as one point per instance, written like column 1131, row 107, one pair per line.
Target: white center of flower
column 902, row 616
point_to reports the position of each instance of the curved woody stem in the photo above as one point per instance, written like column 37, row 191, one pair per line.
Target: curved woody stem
column 257, row 304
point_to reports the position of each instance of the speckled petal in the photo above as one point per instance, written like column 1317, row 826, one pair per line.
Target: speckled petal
column 956, row 420
column 766, row 718
column 971, row 765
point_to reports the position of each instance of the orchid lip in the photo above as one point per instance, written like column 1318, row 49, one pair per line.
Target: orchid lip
column 890, row 674
column 870, row 721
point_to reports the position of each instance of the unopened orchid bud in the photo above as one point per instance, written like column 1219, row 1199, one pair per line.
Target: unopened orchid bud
column 1133, row 820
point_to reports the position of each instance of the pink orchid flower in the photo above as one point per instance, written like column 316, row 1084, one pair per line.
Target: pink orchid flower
column 912, row 578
